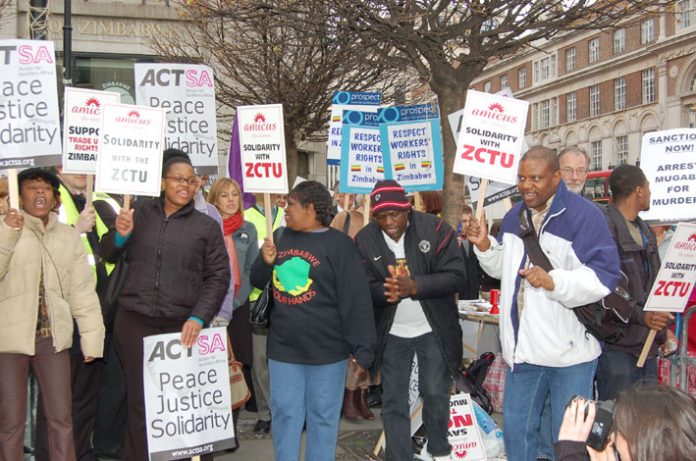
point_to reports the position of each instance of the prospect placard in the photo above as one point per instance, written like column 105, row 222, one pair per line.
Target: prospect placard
column 412, row 146
column 342, row 101
column 362, row 164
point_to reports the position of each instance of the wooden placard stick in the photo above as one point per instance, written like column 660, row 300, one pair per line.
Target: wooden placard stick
column 481, row 199
column 126, row 201
column 346, row 202
column 267, row 207
column 13, row 188
column 366, row 210
column 418, row 201
column 89, row 191
column 646, row 348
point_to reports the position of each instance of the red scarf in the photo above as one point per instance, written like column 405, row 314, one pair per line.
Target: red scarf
column 229, row 227
column 231, row 224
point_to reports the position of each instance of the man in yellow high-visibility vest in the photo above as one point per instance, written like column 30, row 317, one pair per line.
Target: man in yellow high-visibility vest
column 92, row 223
column 259, row 368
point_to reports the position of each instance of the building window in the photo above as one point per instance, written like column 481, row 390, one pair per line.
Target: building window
column 686, row 12
column 596, row 153
column 503, row 82
column 692, row 85
column 545, row 69
column 570, row 59
column 487, row 86
column 647, row 31
column 648, row 84
column 619, row 41
column 522, row 77
column 594, row 101
column 571, row 107
column 622, row 150
column 620, row 93
column 545, row 115
column 593, row 50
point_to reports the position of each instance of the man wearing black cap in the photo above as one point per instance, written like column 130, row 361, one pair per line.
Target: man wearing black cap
column 415, row 269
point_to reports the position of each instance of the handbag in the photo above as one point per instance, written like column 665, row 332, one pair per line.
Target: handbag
column 261, row 310
column 117, row 279
column 239, row 390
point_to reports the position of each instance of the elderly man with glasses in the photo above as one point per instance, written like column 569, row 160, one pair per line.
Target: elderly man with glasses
column 575, row 163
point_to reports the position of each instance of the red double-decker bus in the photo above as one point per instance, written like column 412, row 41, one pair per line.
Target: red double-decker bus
column 597, row 187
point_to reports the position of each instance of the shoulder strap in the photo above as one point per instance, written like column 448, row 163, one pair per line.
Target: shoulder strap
column 346, row 223
column 531, row 241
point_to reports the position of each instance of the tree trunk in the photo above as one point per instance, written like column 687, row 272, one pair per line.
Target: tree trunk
column 451, row 98
column 292, row 158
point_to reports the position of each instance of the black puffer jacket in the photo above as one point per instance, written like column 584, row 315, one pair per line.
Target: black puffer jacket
column 436, row 265
column 178, row 266
column 641, row 266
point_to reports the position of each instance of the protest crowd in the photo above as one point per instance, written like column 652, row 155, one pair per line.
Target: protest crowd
column 130, row 305
column 364, row 302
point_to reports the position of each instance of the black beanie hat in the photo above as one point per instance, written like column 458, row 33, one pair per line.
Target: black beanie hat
column 388, row 195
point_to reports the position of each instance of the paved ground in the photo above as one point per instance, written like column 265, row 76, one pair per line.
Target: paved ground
column 356, row 440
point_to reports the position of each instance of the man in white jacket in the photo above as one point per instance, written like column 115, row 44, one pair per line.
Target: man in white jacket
column 548, row 350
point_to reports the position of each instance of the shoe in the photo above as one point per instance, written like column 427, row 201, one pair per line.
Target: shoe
column 350, row 409
column 361, row 403
column 262, row 427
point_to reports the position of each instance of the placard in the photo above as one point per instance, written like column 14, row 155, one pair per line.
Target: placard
column 82, row 110
column 412, row 146
column 29, row 115
column 490, row 142
column 187, row 395
column 262, row 142
column 131, row 140
column 342, row 101
column 187, row 92
column 463, row 433
column 675, row 280
column 668, row 159
column 362, row 164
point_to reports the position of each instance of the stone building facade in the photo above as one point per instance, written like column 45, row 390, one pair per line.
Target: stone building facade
column 109, row 37
column 602, row 90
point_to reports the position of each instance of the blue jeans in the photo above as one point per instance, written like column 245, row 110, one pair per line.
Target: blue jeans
column 434, row 383
column 525, row 392
column 617, row 371
column 311, row 392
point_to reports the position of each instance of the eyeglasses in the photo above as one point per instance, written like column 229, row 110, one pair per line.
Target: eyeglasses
column 181, row 180
column 578, row 171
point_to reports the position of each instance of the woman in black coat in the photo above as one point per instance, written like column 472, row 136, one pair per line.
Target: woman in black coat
column 178, row 275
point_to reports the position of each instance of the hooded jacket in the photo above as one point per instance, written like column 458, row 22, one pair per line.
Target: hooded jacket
column 68, row 287
column 437, row 267
column 641, row 265
column 178, row 265
column 575, row 237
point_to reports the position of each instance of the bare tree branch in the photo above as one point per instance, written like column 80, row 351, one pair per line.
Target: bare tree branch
column 450, row 42
column 285, row 52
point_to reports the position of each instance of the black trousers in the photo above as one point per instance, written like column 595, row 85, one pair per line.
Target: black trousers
column 111, row 411
column 129, row 330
